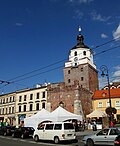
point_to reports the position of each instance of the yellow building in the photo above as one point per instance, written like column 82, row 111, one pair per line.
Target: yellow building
column 100, row 100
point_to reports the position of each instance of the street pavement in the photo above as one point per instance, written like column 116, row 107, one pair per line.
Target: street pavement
column 81, row 134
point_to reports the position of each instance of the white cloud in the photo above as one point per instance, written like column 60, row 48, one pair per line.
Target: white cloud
column 116, row 75
column 99, row 17
column 116, row 34
column 104, row 36
column 18, row 24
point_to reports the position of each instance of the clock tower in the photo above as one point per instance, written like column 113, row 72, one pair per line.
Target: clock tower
column 80, row 67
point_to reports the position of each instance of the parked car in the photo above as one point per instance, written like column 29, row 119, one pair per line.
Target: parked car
column 23, row 132
column 6, row 130
column 57, row 131
column 117, row 141
column 104, row 137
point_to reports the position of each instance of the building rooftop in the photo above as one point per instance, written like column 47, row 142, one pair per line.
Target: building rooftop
column 103, row 94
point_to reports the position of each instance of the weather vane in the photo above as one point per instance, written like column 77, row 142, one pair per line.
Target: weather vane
column 79, row 29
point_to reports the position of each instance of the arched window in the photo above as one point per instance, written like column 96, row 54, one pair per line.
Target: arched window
column 75, row 53
column 84, row 52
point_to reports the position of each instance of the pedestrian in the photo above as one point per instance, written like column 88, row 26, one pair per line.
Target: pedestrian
column 111, row 124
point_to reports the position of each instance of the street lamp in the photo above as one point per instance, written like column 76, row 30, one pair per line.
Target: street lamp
column 104, row 71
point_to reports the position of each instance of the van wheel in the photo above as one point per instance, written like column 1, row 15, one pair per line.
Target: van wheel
column 13, row 135
column 36, row 138
column 22, row 136
column 56, row 140
column 90, row 142
column 5, row 133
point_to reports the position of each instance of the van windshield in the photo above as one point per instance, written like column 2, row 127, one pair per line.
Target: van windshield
column 68, row 126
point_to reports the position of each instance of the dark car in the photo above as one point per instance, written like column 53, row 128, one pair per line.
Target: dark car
column 6, row 130
column 23, row 132
column 117, row 141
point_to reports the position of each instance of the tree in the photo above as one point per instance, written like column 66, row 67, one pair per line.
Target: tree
column 110, row 110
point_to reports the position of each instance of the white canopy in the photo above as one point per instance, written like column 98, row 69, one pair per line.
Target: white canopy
column 60, row 114
column 34, row 120
column 96, row 113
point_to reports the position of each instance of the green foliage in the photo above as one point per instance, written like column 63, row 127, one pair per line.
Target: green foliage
column 110, row 110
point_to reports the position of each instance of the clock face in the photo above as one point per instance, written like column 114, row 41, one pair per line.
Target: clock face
column 75, row 59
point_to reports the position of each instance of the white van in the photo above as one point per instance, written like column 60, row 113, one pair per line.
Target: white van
column 57, row 131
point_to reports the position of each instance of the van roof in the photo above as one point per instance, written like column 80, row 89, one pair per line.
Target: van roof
column 54, row 122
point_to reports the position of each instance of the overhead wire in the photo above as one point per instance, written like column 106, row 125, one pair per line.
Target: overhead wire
column 60, row 61
column 14, row 81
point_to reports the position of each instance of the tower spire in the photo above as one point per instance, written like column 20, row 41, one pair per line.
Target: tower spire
column 79, row 29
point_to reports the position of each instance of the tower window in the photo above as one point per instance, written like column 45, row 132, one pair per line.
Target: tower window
column 82, row 69
column 75, row 64
column 84, row 52
column 68, row 71
column 68, row 80
column 82, row 78
column 75, row 53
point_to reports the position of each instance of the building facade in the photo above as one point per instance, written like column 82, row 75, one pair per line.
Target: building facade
column 16, row 106
column 80, row 81
column 74, row 93
column 100, row 100
column 7, row 108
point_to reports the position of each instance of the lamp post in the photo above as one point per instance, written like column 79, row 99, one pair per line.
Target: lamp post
column 104, row 71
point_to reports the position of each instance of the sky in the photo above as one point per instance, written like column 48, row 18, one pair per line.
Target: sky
column 37, row 35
